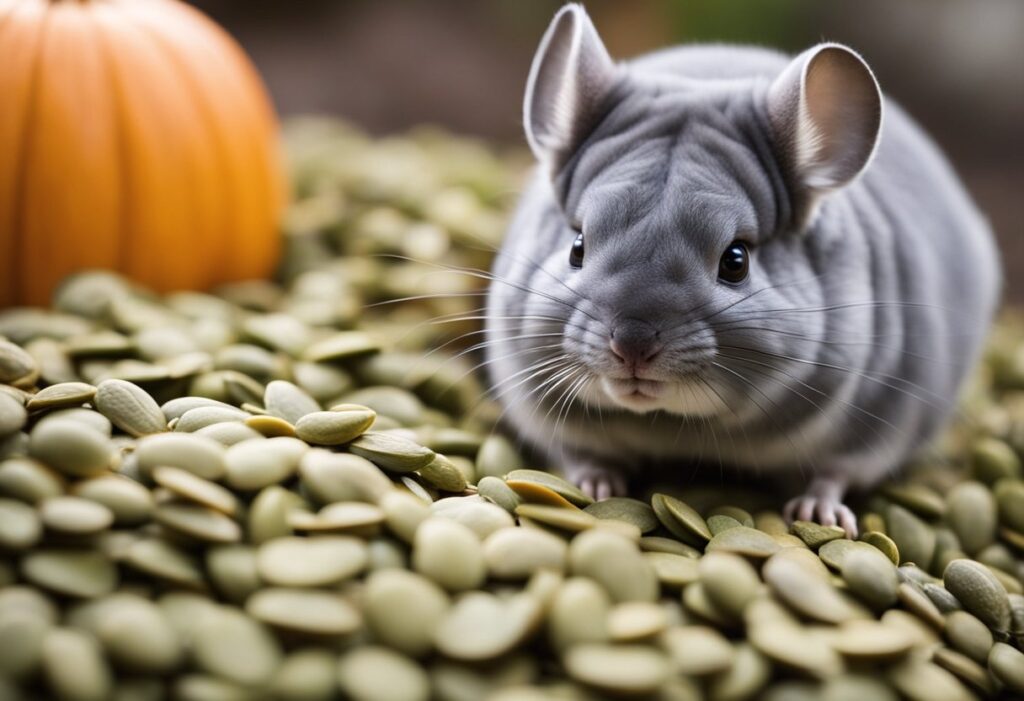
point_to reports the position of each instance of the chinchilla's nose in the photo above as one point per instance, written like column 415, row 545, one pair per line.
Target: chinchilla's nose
column 635, row 342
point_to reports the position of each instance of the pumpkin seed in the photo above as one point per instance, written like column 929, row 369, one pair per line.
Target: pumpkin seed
column 203, row 416
column 82, row 574
column 87, row 417
column 404, row 610
column 1010, row 497
column 794, row 648
column 257, row 464
column 1007, row 665
column 918, row 498
column 980, row 592
column 129, row 407
column 992, row 460
column 12, row 415
column 402, row 406
column 871, row 640
column 20, row 526
column 883, row 543
column 479, row 516
column 495, row 489
column 871, row 576
column 969, row 635
column 657, row 544
column 128, row 501
column 809, row 596
column 480, row 626
column 160, row 559
column 403, row 513
column 568, row 519
column 625, row 509
column 749, row 673
column 227, row 434
column 340, row 346
column 200, row 455
column 730, row 582
column 697, row 650
column 497, row 457
column 187, row 485
column 373, row 673
column 744, row 541
column 392, row 452
column 334, row 427
column 304, row 610
column 814, row 535
column 919, row 604
column 310, row 562
column 940, row 596
column 231, row 645
column 74, row 667
column 972, row 515
column 341, row 517
column 620, row 669
column 559, row 486
column 197, row 521
column 918, row 680
column 516, row 553
column 16, row 365
column 233, row 571
column 28, row 480
column 615, row 563
column 331, row 477
column 913, row 537
column 21, row 642
column 578, row 614
column 270, row 426
column 176, row 408
column 269, row 512
column 673, row 570
column 449, row 553
column 306, row 674
column 70, row 448
column 75, row 515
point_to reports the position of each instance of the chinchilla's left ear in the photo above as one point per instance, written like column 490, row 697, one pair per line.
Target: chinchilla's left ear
column 569, row 79
column 825, row 111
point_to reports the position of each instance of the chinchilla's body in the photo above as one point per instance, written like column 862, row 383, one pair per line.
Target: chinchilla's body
column 732, row 257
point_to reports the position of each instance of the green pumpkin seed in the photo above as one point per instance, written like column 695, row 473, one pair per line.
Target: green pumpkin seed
column 399, row 404
column 20, row 526
column 269, row 512
column 698, row 650
column 871, row 640
column 969, row 635
column 12, row 415
column 373, row 673
column 871, row 576
column 681, row 520
column 130, row 408
column 619, row 669
column 992, row 460
column 516, row 553
column 288, row 401
column 136, row 635
column 340, row 346
column 913, row 537
column 74, row 667
column 404, row 610
column 321, row 381
column 918, row 498
column 310, row 562
column 940, row 596
column 919, row 604
column 657, row 544
column 70, row 448
column 567, row 519
column 578, row 614
column 615, row 563
column 200, row 455
column 814, row 535
column 1010, row 497
column 744, row 541
column 672, row 570
column 561, row 487
column 231, row 645
column 980, row 592
column 810, row 596
column 392, row 452
column 332, row 477
column 884, row 543
column 82, row 574
column 306, row 675
column 1007, row 665
column 444, row 475
column 304, row 610
column 403, row 513
column 449, row 553
column 495, row 490
column 481, row 626
column 188, row 486
column 625, row 509
column 497, row 457
column 794, row 648
column 749, row 673
column 334, row 427
column 21, row 642
column 730, row 582
column 257, row 464
column 227, row 434
column 201, row 417
column 972, row 515
column 342, row 517
column 160, row 559
column 128, row 501
column 197, row 521
column 75, row 515
column 232, row 570
column 29, row 481
column 269, row 426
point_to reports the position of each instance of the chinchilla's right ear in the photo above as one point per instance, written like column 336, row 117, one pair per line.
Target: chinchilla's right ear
column 569, row 79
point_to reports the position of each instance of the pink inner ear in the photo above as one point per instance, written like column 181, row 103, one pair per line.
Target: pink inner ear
column 843, row 107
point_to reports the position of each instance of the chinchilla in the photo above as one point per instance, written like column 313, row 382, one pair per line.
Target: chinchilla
column 728, row 256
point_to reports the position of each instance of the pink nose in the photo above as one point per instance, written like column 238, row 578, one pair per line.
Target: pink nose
column 635, row 343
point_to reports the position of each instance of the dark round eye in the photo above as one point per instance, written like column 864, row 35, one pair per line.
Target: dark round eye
column 735, row 263
column 576, row 252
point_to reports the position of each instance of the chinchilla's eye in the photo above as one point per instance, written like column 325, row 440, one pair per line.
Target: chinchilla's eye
column 576, row 252
column 735, row 263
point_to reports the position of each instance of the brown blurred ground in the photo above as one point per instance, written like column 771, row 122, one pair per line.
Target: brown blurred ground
column 387, row 64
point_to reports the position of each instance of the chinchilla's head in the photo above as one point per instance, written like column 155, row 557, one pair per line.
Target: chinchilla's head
column 679, row 247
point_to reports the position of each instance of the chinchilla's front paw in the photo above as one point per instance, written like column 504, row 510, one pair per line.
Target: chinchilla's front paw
column 823, row 503
column 596, row 481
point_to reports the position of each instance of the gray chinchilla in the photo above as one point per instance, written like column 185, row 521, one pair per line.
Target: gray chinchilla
column 729, row 256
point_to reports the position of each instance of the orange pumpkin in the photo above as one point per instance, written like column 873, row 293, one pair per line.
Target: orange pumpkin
column 135, row 135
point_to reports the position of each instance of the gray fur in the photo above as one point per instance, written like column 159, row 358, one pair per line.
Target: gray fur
column 867, row 302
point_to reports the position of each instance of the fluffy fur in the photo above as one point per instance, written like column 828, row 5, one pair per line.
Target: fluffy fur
column 872, row 283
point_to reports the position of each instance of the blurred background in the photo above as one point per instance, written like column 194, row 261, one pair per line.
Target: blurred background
column 389, row 64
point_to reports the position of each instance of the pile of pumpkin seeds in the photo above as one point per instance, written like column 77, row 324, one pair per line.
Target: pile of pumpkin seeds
column 293, row 491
